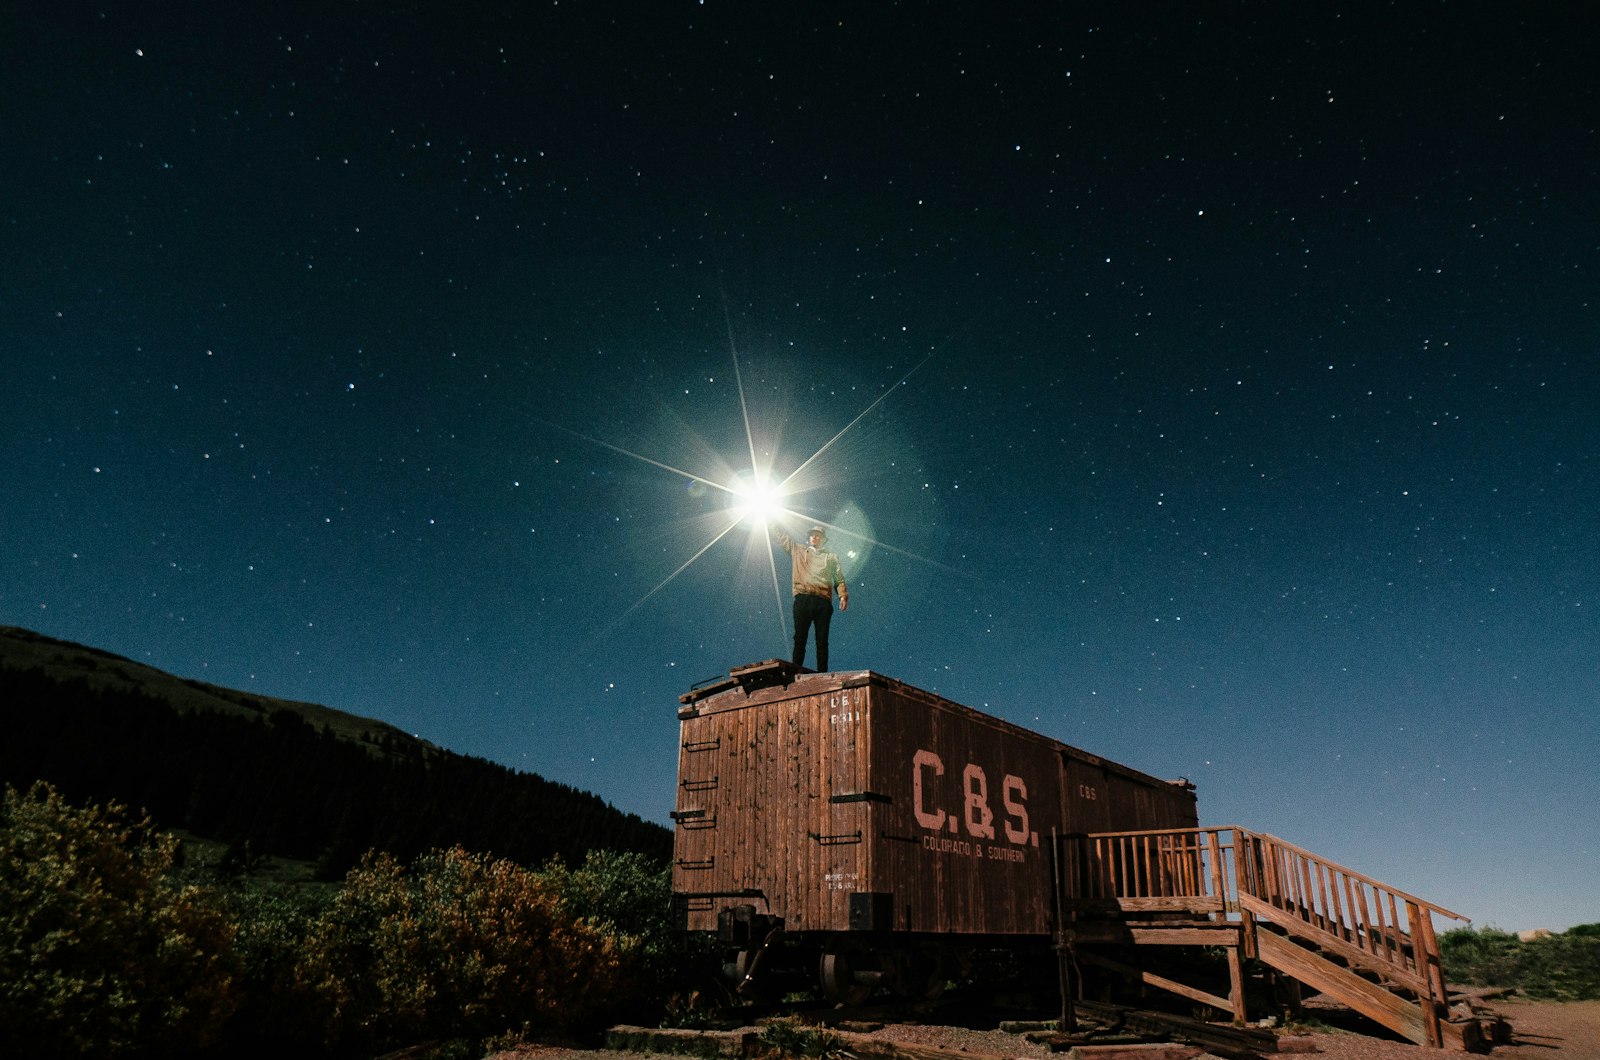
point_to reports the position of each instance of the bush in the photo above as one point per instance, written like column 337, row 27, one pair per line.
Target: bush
column 462, row 946
column 105, row 952
column 1478, row 957
column 627, row 893
column 1563, row 967
column 100, row 952
column 278, row 1010
column 628, row 897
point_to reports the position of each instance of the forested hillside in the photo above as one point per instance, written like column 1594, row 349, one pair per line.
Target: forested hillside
column 294, row 780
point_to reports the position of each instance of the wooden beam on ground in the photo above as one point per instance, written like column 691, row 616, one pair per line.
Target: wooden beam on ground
column 1137, row 1052
column 1217, row 1040
column 709, row 1045
column 869, row 1048
column 1221, row 1004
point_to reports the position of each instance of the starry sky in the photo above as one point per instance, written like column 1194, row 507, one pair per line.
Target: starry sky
column 1210, row 386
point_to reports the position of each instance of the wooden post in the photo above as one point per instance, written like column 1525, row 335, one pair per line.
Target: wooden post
column 1062, row 863
column 1424, row 950
column 1218, row 890
column 1367, row 929
column 1236, row 986
column 1397, row 945
column 1272, row 876
column 1069, row 1013
column 1286, row 989
column 1249, row 877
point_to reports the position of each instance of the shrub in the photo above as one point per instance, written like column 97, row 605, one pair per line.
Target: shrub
column 462, row 946
column 627, row 897
column 1563, row 967
column 277, row 1008
column 101, row 953
column 625, row 892
column 1477, row 957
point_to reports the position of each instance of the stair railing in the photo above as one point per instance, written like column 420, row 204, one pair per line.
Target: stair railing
column 1183, row 869
column 1229, row 871
column 1369, row 923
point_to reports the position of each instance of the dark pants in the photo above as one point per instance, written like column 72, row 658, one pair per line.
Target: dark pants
column 809, row 610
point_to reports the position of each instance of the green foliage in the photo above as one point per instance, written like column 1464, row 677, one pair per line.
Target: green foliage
column 628, row 898
column 623, row 886
column 461, row 946
column 789, row 1040
column 1563, row 967
column 277, row 1007
column 109, row 948
column 688, row 1011
column 624, row 894
column 101, row 953
column 1469, row 954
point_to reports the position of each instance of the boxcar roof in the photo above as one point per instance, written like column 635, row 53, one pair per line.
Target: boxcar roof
column 778, row 680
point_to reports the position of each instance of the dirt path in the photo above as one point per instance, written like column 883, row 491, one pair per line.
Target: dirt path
column 1543, row 1031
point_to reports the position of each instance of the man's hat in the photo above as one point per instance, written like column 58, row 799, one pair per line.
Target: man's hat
column 816, row 530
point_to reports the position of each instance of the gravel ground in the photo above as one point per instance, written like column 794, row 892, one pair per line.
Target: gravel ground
column 1543, row 1031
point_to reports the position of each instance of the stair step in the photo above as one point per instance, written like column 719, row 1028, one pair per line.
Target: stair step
column 1401, row 1016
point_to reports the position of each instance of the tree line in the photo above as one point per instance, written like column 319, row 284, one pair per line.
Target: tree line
column 293, row 790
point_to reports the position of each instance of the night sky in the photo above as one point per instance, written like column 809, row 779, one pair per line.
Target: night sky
column 1213, row 387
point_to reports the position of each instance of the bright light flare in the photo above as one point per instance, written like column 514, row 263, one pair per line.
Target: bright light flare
column 756, row 500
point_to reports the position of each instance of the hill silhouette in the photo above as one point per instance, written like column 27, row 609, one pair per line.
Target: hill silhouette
column 295, row 780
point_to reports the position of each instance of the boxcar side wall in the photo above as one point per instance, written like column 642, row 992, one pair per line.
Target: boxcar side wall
column 1101, row 796
column 960, row 833
column 850, row 802
column 757, row 819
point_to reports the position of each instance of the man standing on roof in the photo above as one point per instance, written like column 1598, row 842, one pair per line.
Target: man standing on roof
column 816, row 574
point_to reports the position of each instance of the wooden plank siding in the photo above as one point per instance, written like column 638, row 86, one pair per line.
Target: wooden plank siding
column 794, row 797
column 765, row 768
column 962, row 845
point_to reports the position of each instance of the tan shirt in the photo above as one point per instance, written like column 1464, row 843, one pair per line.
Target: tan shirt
column 814, row 571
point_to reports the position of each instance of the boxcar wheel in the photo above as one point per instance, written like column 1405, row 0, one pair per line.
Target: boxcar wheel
column 842, row 982
column 741, row 970
column 919, row 974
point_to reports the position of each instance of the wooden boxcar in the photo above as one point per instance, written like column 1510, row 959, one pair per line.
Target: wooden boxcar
column 878, row 823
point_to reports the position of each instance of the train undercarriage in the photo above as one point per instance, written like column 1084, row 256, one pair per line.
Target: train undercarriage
column 759, row 960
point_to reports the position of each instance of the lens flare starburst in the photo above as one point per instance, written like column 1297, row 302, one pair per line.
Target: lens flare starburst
column 756, row 500
column 760, row 499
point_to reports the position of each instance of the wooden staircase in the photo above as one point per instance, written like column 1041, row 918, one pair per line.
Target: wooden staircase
column 1351, row 938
